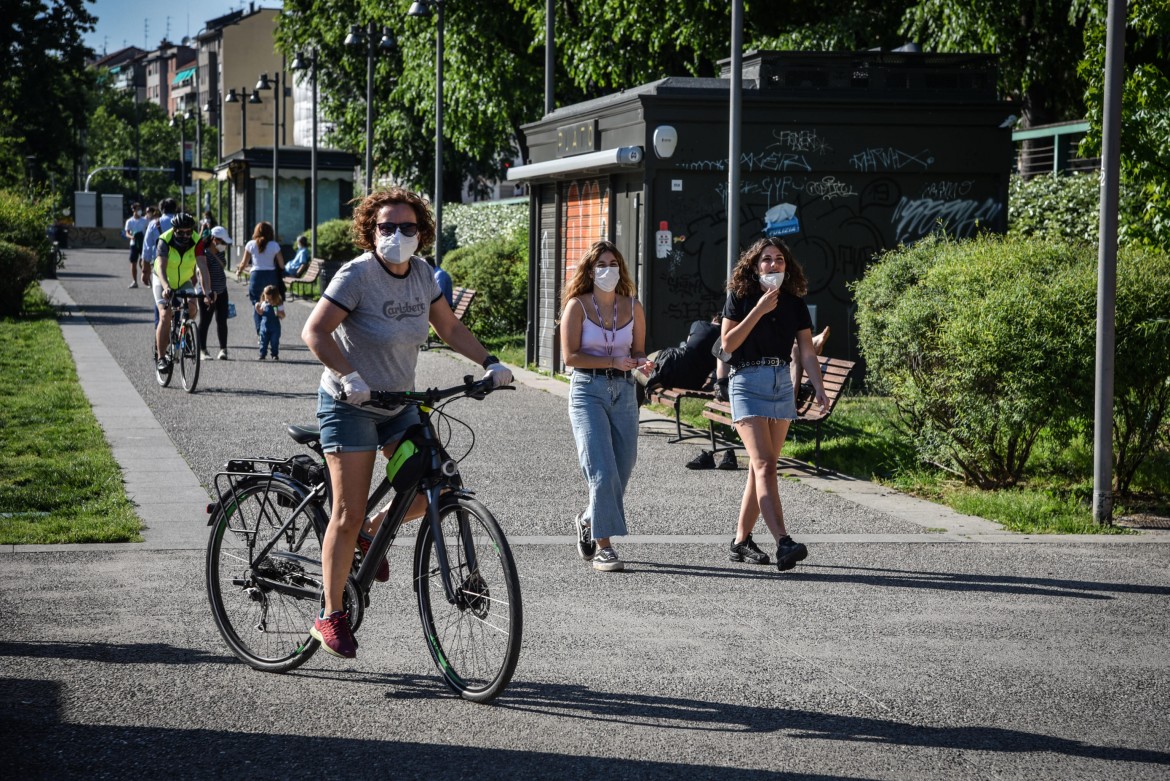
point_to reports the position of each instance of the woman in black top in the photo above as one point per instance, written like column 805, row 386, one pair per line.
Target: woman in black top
column 765, row 313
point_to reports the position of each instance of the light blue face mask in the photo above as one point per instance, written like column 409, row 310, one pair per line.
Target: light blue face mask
column 397, row 248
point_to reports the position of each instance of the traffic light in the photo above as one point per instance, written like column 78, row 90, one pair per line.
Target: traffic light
column 130, row 164
column 177, row 171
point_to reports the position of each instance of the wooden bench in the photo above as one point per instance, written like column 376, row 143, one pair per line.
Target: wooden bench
column 309, row 278
column 672, row 399
column 461, row 298
column 834, row 373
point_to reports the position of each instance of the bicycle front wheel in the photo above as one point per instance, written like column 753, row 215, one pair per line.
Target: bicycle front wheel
column 188, row 351
column 475, row 640
column 162, row 376
column 264, row 608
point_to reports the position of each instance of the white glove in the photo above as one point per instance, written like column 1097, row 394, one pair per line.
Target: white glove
column 356, row 390
column 499, row 374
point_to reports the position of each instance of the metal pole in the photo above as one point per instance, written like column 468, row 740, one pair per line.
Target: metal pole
column 313, row 163
column 550, row 44
column 439, row 137
column 369, row 108
column 1107, row 265
column 276, row 95
column 182, row 163
column 734, row 135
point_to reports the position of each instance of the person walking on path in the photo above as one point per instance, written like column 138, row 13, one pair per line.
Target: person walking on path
column 215, row 251
column 271, row 311
column 368, row 328
column 167, row 208
column 135, row 232
column 764, row 314
column 603, row 338
column 264, row 264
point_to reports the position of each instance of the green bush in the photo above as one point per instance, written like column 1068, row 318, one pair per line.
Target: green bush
column 498, row 271
column 985, row 343
column 1066, row 206
column 980, row 344
column 335, row 241
column 24, row 220
column 467, row 224
column 18, row 269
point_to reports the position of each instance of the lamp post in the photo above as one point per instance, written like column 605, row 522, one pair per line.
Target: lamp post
column 357, row 37
column 180, row 121
column 277, row 99
column 238, row 97
column 309, row 63
column 215, row 116
column 423, row 8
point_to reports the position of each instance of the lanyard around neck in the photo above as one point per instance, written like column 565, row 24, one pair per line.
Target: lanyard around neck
column 611, row 339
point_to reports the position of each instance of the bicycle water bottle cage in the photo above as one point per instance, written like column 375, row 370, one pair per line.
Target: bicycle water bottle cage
column 406, row 466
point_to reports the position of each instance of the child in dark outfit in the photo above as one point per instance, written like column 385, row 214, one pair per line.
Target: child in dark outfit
column 270, row 307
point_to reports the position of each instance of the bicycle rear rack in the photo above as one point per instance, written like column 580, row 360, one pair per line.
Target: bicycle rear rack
column 300, row 468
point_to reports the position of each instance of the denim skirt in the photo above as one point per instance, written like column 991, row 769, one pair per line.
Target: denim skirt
column 762, row 392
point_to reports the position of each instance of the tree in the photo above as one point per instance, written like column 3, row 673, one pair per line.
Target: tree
column 1145, row 113
column 43, row 88
column 1039, row 45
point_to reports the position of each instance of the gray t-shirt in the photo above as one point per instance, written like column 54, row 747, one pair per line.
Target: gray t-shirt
column 389, row 318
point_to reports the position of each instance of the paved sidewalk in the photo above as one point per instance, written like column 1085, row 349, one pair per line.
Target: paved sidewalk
column 894, row 652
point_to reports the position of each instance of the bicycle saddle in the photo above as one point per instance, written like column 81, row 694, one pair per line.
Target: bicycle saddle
column 303, row 435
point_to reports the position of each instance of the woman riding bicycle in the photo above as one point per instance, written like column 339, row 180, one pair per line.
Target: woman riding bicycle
column 179, row 258
column 367, row 328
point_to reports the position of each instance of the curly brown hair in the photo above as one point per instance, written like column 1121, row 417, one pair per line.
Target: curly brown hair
column 365, row 216
column 582, row 281
column 745, row 280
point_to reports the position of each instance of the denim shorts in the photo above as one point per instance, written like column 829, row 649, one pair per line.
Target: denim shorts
column 350, row 429
column 762, row 392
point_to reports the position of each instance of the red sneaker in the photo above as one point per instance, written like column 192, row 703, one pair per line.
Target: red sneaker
column 383, row 573
column 335, row 635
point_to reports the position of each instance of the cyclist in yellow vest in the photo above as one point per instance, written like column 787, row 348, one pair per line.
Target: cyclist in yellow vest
column 178, row 260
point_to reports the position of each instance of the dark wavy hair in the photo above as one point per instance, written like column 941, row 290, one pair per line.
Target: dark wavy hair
column 745, row 280
column 365, row 216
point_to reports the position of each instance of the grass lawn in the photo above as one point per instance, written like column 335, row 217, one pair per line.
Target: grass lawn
column 862, row 439
column 59, row 482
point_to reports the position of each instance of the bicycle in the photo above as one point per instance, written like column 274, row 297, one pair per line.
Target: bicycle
column 183, row 345
column 264, row 576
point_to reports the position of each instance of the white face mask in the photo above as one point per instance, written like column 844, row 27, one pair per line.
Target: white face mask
column 770, row 281
column 606, row 278
column 397, row 248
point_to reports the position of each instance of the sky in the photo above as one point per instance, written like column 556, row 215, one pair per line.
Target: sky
column 143, row 23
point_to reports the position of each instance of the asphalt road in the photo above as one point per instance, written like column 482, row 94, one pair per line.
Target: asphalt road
column 876, row 658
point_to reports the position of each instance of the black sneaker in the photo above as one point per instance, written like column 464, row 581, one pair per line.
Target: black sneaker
column 702, row 461
column 728, row 461
column 748, row 551
column 586, row 547
column 788, row 552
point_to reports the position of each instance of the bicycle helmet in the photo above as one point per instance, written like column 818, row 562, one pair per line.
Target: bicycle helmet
column 183, row 221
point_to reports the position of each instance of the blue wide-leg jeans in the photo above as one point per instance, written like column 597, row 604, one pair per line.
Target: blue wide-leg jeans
column 604, row 416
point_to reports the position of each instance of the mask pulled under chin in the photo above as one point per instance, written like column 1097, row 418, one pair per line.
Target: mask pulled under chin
column 606, row 279
column 397, row 248
column 772, row 280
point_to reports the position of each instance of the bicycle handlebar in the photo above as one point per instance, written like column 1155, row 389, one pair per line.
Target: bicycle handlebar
column 476, row 389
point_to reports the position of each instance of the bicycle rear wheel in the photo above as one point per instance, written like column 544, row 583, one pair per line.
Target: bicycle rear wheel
column 475, row 642
column 188, row 351
column 264, row 609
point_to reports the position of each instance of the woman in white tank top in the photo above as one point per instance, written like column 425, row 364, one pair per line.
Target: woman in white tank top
column 603, row 337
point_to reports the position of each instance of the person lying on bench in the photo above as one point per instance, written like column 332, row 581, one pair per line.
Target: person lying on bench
column 689, row 365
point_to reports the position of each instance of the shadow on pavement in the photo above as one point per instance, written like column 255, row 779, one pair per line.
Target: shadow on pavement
column 116, row 653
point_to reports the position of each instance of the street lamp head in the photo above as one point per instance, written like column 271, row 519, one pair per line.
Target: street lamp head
column 208, row 107
column 254, row 97
column 300, row 62
column 264, row 83
column 189, row 114
column 388, row 43
column 356, row 37
column 232, row 97
column 419, row 8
